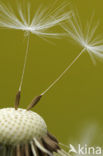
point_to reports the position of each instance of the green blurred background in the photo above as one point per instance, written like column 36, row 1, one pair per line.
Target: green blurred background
column 77, row 99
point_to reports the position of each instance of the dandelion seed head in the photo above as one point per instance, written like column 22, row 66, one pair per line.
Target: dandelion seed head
column 20, row 126
column 24, row 132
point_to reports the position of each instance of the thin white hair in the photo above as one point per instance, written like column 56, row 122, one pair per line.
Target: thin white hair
column 44, row 18
column 85, row 36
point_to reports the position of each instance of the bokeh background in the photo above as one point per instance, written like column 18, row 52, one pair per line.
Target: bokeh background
column 76, row 101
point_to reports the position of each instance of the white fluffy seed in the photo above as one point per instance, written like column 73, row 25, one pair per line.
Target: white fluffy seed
column 20, row 126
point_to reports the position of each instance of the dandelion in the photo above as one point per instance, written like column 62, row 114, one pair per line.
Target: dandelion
column 86, row 37
column 88, row 40
column 24, row 132
column 43, row 20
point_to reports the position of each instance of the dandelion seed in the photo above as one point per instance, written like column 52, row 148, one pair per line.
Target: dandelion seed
column 86, row 36
column 43, row 20
column 88, row 40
